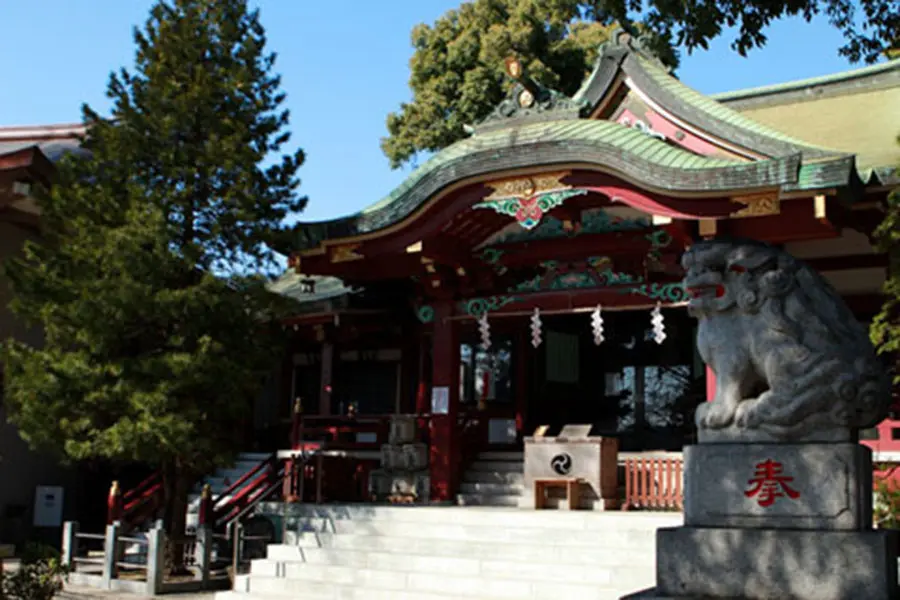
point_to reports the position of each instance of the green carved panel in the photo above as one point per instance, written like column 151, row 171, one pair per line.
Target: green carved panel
column 592, row 222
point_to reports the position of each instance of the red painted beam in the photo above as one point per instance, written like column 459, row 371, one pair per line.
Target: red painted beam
column 796, row 222
column 611, row 297
column 651, row 202
column 428, row 223
column 585, row 245
column 369, row 268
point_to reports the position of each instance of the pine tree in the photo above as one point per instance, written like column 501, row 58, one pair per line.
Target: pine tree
column 157, row 340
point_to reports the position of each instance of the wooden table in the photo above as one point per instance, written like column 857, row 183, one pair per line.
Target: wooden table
column 572, row 488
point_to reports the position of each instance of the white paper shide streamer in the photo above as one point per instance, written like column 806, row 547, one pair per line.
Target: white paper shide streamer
column 536, row 328
column 597, row 325
column 659, row 329
column 484, row 328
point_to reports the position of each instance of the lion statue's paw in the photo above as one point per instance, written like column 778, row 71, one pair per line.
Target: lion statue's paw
column 714, row 415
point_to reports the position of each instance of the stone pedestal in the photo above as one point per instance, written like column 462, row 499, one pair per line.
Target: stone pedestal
column 776, row 522
column 404, row 465
column 832, row 485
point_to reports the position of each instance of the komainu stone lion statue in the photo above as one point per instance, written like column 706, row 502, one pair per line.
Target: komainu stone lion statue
column 791, row 361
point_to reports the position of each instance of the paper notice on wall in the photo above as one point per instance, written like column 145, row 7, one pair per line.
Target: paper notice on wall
column 440, row 400
column 48, row 504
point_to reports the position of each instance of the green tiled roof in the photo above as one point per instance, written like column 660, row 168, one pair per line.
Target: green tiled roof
column 799, row 84
column 623, row 138
column 627, row 150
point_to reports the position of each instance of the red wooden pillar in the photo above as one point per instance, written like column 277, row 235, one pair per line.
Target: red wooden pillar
column 422, row 384
column 710, row 384
column 445, row 448
column 325, row 379
column 114, row 504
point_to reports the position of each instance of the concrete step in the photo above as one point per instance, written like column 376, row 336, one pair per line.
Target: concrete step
column 502, row 456
column 314, row 516
column 364, row 583
column 496, row 489
column 380, row 537
column 500, row 466
column 506, row 477
column 451, row 567
column 445, row 554
column 509, row 500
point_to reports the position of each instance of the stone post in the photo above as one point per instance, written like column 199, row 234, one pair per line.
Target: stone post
column 70, row 544
column 156, row 560
column 203, row 552
column 110, row 554
column 237, row 540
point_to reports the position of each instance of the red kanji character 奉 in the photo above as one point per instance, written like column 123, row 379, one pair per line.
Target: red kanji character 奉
column 770, row 483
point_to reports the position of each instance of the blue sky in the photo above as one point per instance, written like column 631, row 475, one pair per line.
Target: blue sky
column 343, row 70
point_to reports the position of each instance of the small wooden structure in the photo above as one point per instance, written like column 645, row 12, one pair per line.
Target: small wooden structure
column 571, row 487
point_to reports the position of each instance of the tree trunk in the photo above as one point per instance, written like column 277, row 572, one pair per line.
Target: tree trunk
column 177, row 483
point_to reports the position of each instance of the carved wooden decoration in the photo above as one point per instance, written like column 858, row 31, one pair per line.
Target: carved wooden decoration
column 757, row 205
column 345, row 253
column 528, row 199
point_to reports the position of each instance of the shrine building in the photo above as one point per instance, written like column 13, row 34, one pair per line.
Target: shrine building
column 529, row 274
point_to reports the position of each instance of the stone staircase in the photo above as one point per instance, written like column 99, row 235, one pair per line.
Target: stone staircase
column 494, row 479
column 220, row 481
column 465, row 553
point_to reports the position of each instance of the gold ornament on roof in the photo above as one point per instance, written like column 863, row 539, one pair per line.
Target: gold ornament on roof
column 345, row 253
column 757, row 205
column 520, row 187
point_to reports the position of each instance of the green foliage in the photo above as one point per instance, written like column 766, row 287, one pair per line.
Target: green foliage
column 886, row 504
column 885, row 329
column 39, row 576
column 457, row 72
column 695, row 22
column 155, row 345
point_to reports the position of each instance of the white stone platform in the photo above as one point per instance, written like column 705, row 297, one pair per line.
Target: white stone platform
column 439, row 553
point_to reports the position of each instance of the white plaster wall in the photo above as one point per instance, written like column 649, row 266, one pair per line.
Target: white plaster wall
column 850, row 243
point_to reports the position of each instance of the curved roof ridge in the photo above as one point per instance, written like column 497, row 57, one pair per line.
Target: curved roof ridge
column 621, row 137
column 736, row 122
column 787, row 86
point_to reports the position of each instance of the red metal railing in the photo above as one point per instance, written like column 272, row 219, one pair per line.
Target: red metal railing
column 244, row 491
column 653, row 483
column 137, row 504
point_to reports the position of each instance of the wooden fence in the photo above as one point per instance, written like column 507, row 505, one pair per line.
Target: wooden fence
column 654, row 484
